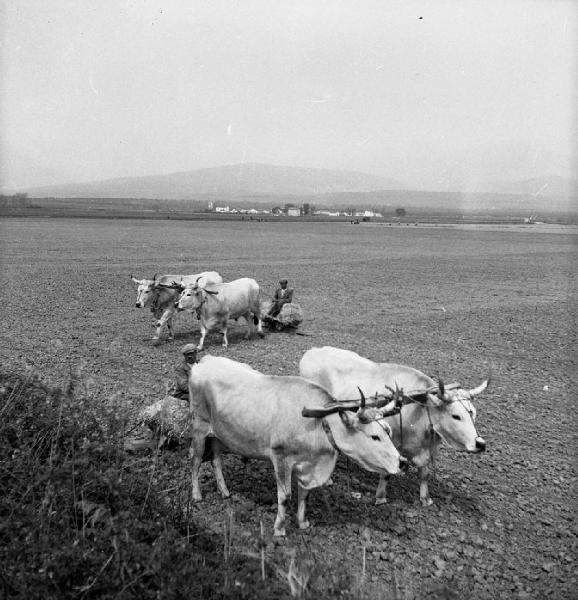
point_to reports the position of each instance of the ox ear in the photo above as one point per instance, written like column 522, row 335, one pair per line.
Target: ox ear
column 348, row 419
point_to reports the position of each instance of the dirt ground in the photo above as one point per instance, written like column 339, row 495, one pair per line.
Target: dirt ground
column 450, row 301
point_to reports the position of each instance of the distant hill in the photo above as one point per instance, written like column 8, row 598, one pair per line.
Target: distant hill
column 259, row 184
column 224, row 182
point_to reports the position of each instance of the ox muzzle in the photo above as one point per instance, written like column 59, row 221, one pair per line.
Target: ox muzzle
column 403, row 464
column 480, row 444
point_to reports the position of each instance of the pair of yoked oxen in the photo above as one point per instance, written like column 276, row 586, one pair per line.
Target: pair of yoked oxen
column 383, row 416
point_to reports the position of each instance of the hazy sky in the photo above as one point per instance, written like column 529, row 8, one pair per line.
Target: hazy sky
column 435, row 94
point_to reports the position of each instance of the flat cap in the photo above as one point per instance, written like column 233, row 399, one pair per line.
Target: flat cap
column 189, row 349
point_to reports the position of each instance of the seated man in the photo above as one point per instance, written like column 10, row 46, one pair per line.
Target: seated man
column 180, row 387
column 283, row 295
column 166, row 422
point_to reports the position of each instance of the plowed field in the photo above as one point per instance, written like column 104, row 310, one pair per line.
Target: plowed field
column 449, row 301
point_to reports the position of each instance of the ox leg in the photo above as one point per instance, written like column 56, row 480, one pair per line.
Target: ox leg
column 203, row 335
column 283, row 475
column 170, row 323
column 302, row 494
column 165, row 319
column 381, row 492
column 249, row 319
column 259, row 325
column 196, row 454
column 218, row 468
column 225, row 340
column 424, row 496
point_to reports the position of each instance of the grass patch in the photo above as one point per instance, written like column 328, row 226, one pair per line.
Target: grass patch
column 80, row 518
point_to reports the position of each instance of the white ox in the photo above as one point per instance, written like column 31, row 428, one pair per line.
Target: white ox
column 262, row 416
column 433, row 413
column 160, row 294
column 223, row 301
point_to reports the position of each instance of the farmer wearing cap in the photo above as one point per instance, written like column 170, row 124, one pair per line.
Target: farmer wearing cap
column 283, row 295
column 182, row 370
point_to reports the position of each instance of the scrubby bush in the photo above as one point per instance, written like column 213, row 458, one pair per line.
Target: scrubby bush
column 80, row 518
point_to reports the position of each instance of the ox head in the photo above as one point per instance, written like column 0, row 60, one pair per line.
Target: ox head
column 453, row 416
column 192, row 296
column 361, row 435
column 146, row 291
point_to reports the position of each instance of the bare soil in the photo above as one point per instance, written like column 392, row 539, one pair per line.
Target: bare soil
column 449, row 301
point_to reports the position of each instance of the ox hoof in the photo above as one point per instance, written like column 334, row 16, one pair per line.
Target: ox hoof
column 379, row 501
column 425, row 502
column 304, row 525
column 261, row 334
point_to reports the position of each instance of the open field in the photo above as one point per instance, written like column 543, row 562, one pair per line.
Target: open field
column 449, row 301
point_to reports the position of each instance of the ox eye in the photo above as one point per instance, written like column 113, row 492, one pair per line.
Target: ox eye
column 375, row 437
column 456, row 417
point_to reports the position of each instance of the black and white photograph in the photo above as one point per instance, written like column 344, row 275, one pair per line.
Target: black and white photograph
column 288, row 299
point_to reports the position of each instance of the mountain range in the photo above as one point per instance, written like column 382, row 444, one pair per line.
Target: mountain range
column 260, row 183
column 228, row 181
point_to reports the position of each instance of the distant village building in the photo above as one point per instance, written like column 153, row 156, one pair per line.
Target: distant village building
column 222, row 209
column 328, row 213
column 293, row 211
column 367, row 213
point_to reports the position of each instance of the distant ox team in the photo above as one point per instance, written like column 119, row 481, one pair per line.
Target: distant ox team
column 160, row 294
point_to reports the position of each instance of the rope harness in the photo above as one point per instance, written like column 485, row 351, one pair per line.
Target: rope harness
column 327, row 430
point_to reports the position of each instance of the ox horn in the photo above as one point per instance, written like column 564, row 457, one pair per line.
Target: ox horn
column 441, row 388
column 398, row 395
column 394, row 405
column 361, row 413
column 478, row 390
column 362, row 398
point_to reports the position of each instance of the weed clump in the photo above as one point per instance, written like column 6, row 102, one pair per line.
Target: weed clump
column 80, row 518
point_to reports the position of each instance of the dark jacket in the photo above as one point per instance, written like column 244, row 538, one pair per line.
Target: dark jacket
column 181, row 385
